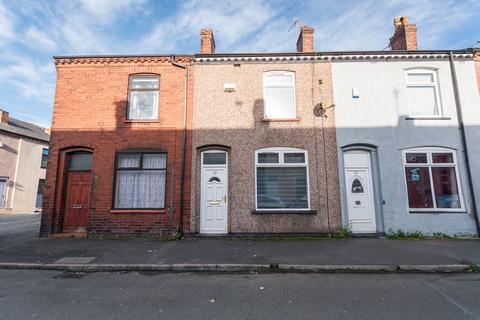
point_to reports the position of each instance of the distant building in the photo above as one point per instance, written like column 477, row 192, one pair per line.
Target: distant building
column 23, row 162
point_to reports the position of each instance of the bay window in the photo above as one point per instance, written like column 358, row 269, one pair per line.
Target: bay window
column 432, row 179
column 282, row 179
column 143, row 97
column 140, row 180
column 279, row 95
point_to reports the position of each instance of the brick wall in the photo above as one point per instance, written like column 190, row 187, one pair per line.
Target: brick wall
column 90, row 112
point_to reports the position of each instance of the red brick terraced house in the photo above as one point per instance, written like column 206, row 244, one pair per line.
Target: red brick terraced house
column 120, row 153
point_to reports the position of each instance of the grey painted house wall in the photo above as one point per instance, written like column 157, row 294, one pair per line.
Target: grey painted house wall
column 377, row 117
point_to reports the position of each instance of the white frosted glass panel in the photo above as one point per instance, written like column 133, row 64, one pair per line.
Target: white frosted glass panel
column 422, row 101
column 280, row 103
column 420, row 78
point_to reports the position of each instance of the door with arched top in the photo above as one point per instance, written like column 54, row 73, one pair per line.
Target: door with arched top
column 77, row 196
column 214, row 192
column 359, row 190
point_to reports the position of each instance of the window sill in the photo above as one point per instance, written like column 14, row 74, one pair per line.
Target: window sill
column 141, row 121
column 438, row 211
column 280, row 120
column 138, row 211
column 284, row 211
column 428, row 118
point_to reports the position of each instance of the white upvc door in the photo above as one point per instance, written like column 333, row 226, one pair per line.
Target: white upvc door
column 214, row 193
column 359, row 190
column 3, row 192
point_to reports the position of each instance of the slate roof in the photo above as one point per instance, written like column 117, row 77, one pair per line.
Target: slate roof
column 24, row 129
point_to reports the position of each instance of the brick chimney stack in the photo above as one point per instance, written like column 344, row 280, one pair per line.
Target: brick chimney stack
column 3, row 116
column 207, row 42
column 405, row 36
column 305, row 39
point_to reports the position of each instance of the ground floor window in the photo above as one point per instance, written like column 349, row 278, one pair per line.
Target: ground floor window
column 140, row 180
column 432, row 179
column 39, row 200
column 281, row 179
column 3, row 192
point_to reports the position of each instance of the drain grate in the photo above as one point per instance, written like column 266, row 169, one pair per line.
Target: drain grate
column 71, row 275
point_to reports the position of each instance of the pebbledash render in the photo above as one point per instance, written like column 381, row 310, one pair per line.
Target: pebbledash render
column 264, row 154
column 120, row 146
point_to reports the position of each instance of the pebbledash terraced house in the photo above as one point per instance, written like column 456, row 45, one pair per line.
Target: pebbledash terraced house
column 302, row 142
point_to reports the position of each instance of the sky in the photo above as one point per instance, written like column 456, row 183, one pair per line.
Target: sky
column 32, row 32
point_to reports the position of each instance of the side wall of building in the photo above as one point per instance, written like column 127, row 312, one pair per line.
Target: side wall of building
column 8, row 164
column 378, row 117
column 233, row 120
column 20, row 162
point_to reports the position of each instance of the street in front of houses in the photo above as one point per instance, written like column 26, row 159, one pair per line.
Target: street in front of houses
column 50, row 294
column 28, row 294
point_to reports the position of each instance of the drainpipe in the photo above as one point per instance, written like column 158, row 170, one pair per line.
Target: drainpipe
column 184, row 142
column 458, row 106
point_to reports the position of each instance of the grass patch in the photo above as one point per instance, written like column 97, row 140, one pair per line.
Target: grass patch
column 405, row 235
column 473, row 268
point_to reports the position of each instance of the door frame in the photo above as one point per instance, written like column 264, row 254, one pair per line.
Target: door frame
column 66, row 164
column 202, row 178
column 377, row 205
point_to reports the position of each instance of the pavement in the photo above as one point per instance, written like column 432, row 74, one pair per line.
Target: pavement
column 23, row 249
column 32, row 294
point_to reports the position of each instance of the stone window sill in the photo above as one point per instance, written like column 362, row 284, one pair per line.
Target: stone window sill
column 284, row 211
column 280, row 120
column 141, row 121
column 154, row 211
column 428, row 118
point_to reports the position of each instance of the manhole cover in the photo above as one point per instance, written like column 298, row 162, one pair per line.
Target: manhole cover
column 75, row 260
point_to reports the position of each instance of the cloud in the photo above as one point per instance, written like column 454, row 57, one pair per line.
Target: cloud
column 6, row 25
column 231, row 20
column 39, row 40
column 107, row 11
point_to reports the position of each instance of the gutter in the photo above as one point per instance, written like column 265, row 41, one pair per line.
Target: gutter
column 184, row 143
column 461, row 126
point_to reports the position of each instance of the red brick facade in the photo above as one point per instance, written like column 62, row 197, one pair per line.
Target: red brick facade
column 405, row 36
column 90, row 114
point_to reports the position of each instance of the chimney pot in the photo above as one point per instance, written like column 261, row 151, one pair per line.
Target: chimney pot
column 207, row 41
column 405, row 36
column 305, row 39
column 3, row 116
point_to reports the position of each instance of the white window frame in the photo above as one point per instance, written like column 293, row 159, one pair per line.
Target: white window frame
column 6, row 179
column 214, row 165
column 131, row 90
column 429, row 151
column 434, row 84
column 280, row 73
column 281, row 152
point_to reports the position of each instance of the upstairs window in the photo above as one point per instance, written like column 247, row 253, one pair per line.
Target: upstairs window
column 282, row 179
column 423, row 93
column 279, row 95
column 143, row 97
column 432, row 179
column 43, row 164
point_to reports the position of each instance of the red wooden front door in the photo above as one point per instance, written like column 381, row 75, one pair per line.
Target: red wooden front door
column 77, row 201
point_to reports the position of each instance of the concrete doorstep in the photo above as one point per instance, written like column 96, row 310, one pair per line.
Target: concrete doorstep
column 241, row 268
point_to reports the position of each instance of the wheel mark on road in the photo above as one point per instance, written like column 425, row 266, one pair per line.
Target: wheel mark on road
column 446, row 296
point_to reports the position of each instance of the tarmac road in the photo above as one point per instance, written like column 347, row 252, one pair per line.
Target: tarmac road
column 30, row 294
